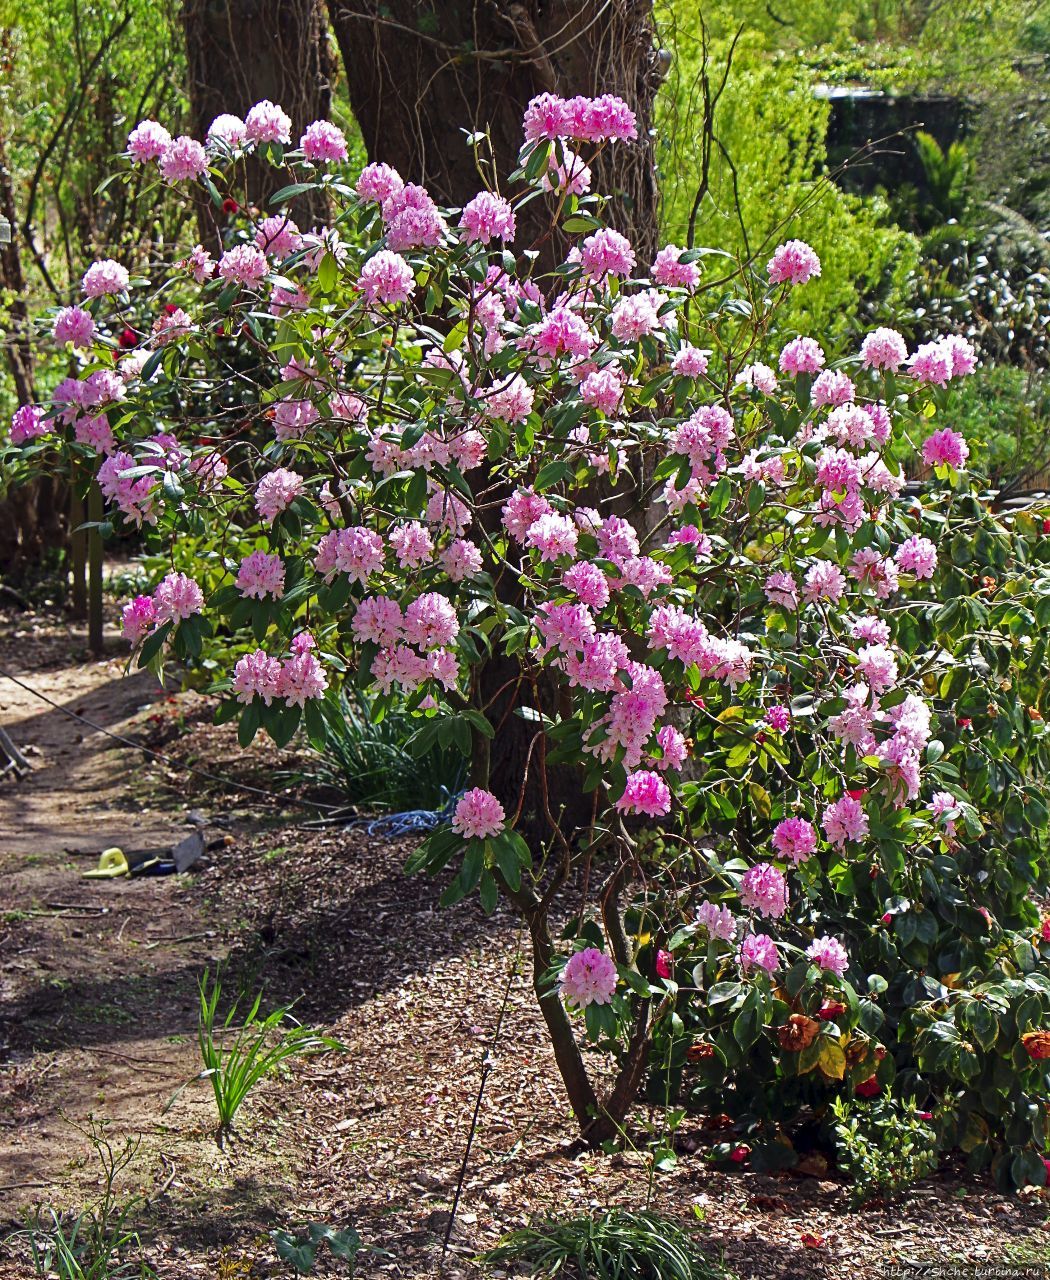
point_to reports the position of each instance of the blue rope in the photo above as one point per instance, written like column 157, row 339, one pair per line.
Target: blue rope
column 409, row 820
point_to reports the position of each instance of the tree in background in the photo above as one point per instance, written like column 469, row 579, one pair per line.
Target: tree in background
column 239, row 52
column 421, row 74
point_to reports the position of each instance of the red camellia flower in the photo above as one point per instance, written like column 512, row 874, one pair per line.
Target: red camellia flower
column 830, row 1010
column 230, row 206
column 170, row 308
column 1046, row 526
column 663, row 964
column 739, row 1154
column 869, row 1088
column 887, row 918
column 127, row 338
column 858, row 793
column 1036, row 1044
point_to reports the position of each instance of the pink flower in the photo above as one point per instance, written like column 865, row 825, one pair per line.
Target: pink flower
column 461, row 559
column 764, row 889
column 412, row 544
column 824, row 581
column 171, row 326
column 603, row 390
column 355, row 551
column 488, row 216
column 717, row 920
column 802, row 355
column 758, row 949
column 944, row 802
column 256, row 675
column 95, row 432
column 261, row 575
column 278, row 236
column 183, row 160
column 521, row 510
column 138, row 618
column 945, row 448
column 833, row 387
column 276, row 491
column 148, row 141
column 778, row 718
column 878, row 667
column 589, row 977
column 562, row 332
column 177, row 597
column 670, row 271
column 602, row 119
column 795, row 839
column 105, row 277
column 674, row 747
column 387, row 277
column 781, row 588
column 266, row 122
column 689, row 361
column 511, row 400
column 874, row 573
column 412, row 219
column 324, row 143
column 243, row 263
column 546, row 117
column 931, row 363
column 963, row 356
column 379, row 182
column 73, row 324
column 845, row 820
column 301, row 678
column 569, row 174
column 874, row 630
column 883, row 349
column 793, row 263
column 634, row 318
column 645, row 792
column 553, row 536
column 757, row 377
column 607, row 253
column 292, row 419
column 850, row 424
column 589, row 584
column 27, row 423
column 664, row 963
column 828, row 953
column 916, row 555
column 227, row 130
column 199, row 263
column 478, row 815
column 431, row 622
column 378, row 619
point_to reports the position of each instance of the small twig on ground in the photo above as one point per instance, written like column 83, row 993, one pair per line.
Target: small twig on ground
column 186, row 937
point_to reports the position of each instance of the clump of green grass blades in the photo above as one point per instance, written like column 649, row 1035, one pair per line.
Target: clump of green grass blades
column 99, row 1242
column 614, row 1245
column 258, row 1046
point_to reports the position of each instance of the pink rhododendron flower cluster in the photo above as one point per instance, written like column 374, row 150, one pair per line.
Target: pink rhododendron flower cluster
column 589, row 977
column 478, row 815
column 793, row 263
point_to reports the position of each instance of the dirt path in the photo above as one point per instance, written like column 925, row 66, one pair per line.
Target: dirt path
column 97, row 977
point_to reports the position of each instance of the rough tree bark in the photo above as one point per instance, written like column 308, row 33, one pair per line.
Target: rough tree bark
column 31, row 514
column 239, row 52
column 421, row 72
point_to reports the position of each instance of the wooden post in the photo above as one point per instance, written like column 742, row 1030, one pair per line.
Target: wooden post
column 5, row 231
column 94, row 542
column 77, row 548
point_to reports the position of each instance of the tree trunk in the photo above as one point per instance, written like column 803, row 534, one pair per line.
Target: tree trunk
column 239, row 52
column 31, row 515
column 422, row 73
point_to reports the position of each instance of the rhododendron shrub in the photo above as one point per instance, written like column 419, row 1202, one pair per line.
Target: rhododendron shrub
column 802, row 698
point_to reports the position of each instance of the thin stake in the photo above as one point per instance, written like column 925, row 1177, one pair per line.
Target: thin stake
column 487, row 1064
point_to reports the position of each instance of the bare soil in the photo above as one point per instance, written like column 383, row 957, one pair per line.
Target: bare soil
column 98, row 1017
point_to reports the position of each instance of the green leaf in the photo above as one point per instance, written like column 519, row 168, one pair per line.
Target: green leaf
column 327, row 273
